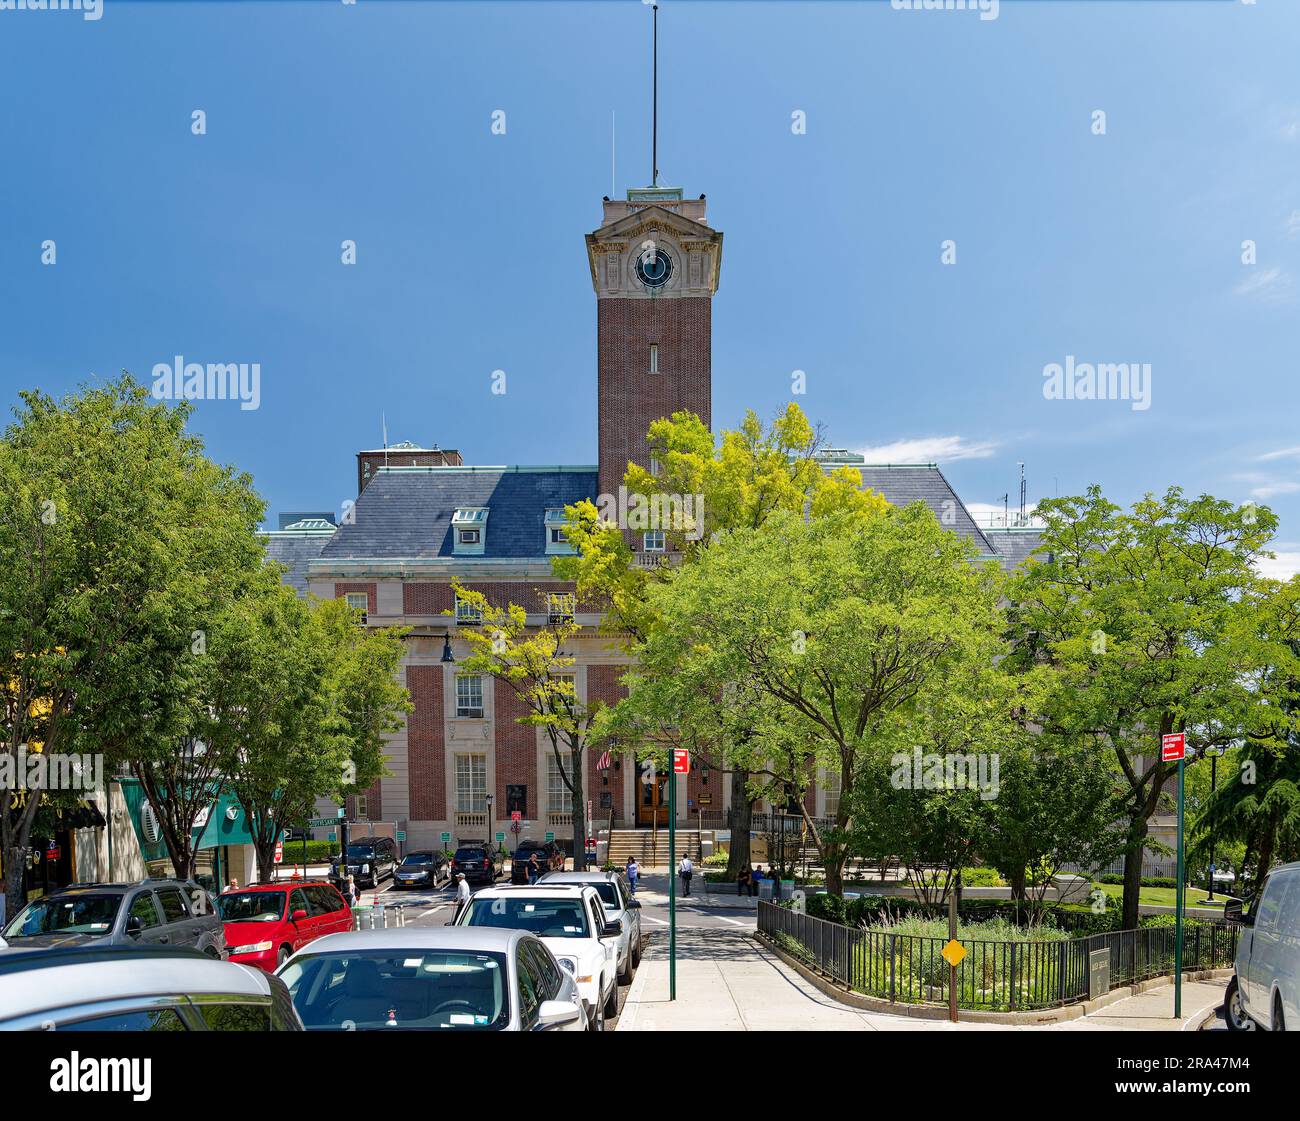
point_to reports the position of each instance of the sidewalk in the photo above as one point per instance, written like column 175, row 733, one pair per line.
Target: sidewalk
column 726, row 981
column 652, row 890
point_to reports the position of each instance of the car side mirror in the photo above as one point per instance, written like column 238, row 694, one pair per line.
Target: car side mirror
column 615, row 926
column 557, row 1013
column 1234, row 911
column 134, row 925
column 634, row 904
column 298, row 916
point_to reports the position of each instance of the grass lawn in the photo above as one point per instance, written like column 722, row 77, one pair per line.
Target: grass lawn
column 1164, row 896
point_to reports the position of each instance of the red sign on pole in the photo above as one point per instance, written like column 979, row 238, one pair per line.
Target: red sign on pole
column 279, row 852
column 516, row 815
column 681, row 761
column 1173, row 747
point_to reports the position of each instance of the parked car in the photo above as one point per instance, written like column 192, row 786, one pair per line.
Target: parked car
column 370, row 859
column 266, row 923
column 154, row 988
column 570, row 920
column 149, row 913
column 446, row 978
column 480, row 863
column 619, row 907
column 1265, row 987
column 422, row 869
column 550, row 858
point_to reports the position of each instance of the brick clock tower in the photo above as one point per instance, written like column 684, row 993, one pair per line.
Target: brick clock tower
column 655, row 265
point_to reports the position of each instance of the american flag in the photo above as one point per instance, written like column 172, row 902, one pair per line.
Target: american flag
column 603, row 763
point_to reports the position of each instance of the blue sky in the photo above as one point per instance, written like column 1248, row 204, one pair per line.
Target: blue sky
column 372, row 122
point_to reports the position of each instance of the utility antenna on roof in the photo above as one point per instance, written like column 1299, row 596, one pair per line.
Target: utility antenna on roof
column 1022, row 494
column 383, row 420
column 654, row 96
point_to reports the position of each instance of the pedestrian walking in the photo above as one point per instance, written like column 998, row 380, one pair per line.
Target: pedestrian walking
column 633, row 874
column 686, row 869
column 462, row 894
column 354, row 893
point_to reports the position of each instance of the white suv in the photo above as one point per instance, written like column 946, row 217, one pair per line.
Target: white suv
column 619, row 906
column 571, row 921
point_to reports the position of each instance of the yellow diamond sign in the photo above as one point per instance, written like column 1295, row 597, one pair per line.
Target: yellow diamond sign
column 953, row 952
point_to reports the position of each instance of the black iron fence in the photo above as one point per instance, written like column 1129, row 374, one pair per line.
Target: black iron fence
column 996, row 976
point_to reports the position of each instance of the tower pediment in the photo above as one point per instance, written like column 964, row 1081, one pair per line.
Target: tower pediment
column 664, row 236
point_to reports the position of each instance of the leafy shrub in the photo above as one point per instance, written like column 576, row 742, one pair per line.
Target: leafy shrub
column 715, row 860
column 982, row 877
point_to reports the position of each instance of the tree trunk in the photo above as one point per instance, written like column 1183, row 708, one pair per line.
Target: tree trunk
column 579, row 813
column 1137, row 834
column 742, row 815
column 15, row 835
column 1017, row 879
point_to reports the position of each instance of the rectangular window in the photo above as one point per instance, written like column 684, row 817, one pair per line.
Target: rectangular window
column 471, row 783
column 467, row 614
column 363, row 808
column 359, row 601
column 558, row 798
column 653, row 541
column 560, row 607
column 832, row 788
column 469, row 537
column 655, row 466
column 654, row 358
column 469, row 696
column 557, row 542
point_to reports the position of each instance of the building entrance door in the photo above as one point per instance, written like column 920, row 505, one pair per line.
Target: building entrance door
column 652, row 799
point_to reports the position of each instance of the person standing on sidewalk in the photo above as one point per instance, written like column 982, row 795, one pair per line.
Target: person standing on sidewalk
column 534, row 869
column 633, row 874
column 687, row 870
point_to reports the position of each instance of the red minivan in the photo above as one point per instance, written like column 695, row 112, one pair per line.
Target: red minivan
column 265, row 923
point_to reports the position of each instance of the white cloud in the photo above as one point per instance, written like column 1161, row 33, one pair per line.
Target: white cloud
column 1281, row 453
column 929, row 449
column 1267, row 486
column 1272, row 286
column 1284, row 565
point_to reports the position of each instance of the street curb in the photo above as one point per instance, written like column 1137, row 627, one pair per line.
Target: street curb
column 1061, row 1015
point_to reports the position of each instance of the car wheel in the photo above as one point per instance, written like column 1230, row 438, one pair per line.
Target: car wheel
column 283, row 956
column 636, row 952
column 1279, row 1020
column 1234, row 1014
column 625, row 977
column 596, row 1021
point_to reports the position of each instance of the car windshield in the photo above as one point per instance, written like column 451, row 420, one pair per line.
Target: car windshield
column 547, row 918
column 417, row 858
column 415, row 989
column 251, row 906
column 68, row 914
column 470, row 854
column 357, row 852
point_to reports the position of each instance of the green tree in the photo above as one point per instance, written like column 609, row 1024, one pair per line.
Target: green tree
column 1140, row 612
column 532, row 663
column 736, row 483
column 119, row 541
column 832, row 641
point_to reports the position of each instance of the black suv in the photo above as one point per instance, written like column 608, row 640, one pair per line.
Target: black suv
column 480, row 863
column 550, row 858
column 370, row 859
column 424, row 868
column 150, row 913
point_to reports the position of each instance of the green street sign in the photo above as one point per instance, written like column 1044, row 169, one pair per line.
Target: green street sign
column 321, row 822
column 401, row 834
column 500, row 838
column 332, row 838
column 549, row 835
column 446, row 837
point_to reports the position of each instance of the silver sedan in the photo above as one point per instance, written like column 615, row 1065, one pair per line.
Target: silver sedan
column 431, row 978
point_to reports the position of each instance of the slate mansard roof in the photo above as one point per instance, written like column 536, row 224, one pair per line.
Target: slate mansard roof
column 405, row 512
column 296, row 547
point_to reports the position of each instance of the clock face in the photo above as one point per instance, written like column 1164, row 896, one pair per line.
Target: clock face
column 654, row 268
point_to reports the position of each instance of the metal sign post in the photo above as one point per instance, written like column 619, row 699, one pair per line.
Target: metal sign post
column 1173, row 748
column 672, row 887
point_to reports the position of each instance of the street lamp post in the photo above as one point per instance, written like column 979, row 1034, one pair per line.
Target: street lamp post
column 487, row 798
column 1213, row 753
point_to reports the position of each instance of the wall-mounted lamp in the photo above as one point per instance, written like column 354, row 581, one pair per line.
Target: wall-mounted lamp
column 447, row 655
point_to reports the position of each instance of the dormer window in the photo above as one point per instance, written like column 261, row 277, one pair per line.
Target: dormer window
column 556, row 542
column 469, row 526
